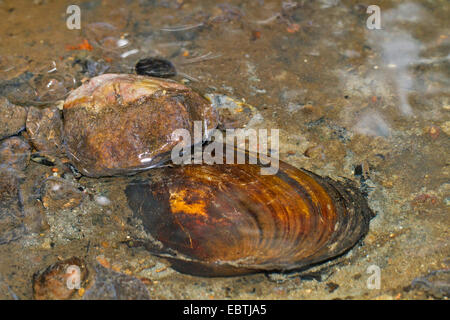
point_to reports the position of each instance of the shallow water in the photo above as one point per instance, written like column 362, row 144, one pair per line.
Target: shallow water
column 369, row 105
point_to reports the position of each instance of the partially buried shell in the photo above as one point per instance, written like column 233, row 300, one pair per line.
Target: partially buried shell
column 122, row 123
column 222, row 220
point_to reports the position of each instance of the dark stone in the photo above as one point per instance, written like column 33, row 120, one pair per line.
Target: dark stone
column 358, row 170
column 15, row 153
column 12, row 118
column 155, row 67
column 436, row 283
column 111, row 285
column 18, row 90
column 44, row 127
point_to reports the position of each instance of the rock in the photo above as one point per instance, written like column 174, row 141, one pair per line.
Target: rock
column 18, row 90
column 44, row 127
column 58, row 193
column 11, row 214
column 111, row 285
column 15, row 153
column 436, row 283
column 12, row 118
column 60, row 280
column 20, row 212
column 122, row 123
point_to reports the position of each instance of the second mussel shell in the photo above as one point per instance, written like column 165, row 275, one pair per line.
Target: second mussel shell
column 119, row 124
column 225, row 220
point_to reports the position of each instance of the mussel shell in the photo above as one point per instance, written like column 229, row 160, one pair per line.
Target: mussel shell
column 122, row 123
column 223, row 220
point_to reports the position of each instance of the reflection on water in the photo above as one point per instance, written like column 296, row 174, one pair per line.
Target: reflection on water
column 401, row 51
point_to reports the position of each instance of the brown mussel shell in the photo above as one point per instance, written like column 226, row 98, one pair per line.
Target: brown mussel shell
column 123, row 123
column 224, row 220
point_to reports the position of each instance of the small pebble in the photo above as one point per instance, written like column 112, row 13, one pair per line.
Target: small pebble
column 58, row 193
column 12, row 118
column 434, row 132
column 60, row 280
column 111, row 285
column 15, row 153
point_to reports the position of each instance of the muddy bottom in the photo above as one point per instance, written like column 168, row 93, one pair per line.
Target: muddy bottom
column 370, row 105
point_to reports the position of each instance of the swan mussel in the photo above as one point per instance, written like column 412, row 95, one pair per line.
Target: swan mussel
column 224, row 220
